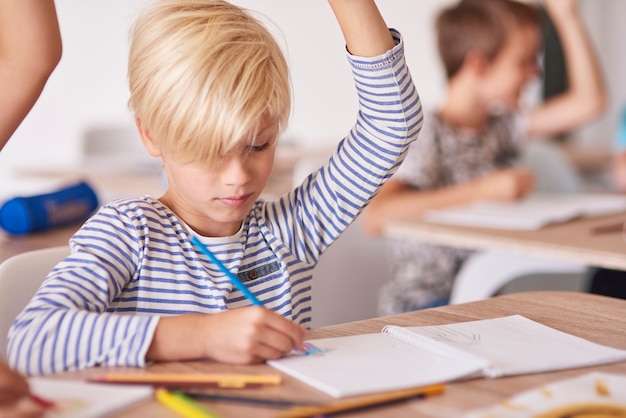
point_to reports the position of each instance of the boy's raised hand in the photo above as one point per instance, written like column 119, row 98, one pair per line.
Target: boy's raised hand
column 586, row 95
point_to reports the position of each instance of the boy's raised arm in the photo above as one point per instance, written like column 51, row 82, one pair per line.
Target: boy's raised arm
column 364, row 29
column 586, row 95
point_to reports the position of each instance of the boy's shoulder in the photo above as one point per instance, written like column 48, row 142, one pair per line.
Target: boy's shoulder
column 439, row 138
column 136, row 207
column 133, row 202
column 437, row 129
column 145, row 213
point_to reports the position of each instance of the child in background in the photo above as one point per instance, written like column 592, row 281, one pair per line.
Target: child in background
column 210, row 92
column 469, row 146
column 30, row 49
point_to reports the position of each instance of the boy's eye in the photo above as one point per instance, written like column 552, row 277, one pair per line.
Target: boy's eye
column 259, row 148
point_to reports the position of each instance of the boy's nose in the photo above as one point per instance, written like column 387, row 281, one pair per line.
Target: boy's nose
column 236, row 171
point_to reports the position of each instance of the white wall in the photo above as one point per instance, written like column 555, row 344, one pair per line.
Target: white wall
column 610, row 38
column 88, row 89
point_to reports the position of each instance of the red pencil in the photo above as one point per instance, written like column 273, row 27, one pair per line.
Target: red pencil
column 44, row 403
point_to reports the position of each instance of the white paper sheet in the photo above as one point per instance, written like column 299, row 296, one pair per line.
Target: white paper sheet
column 589, row 389
column 75, row 399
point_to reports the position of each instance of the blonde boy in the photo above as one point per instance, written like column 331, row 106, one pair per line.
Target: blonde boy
column 210, row 92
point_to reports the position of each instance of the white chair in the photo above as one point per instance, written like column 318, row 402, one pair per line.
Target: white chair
column 484, row 273
column 20, row 277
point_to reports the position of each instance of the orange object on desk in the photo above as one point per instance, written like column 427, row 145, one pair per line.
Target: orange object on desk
column 225, row 380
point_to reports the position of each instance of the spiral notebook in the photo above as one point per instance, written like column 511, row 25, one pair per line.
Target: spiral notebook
column 403, row 357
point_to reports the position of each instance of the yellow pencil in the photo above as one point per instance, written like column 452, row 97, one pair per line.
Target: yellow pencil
column 185, row 407
column 224, row 380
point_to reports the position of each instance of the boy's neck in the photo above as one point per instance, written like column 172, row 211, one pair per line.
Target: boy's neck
column 463, row 109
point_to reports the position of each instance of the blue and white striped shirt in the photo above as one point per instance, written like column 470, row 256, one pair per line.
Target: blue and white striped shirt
column 133, row 263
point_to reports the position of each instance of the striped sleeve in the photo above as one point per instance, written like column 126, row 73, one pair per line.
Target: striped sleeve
column 68, row 325
column 389, row 118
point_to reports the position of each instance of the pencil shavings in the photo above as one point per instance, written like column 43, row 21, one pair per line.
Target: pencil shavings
column 602, row 388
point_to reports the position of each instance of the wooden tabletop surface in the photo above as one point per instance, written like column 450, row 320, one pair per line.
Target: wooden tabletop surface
column 597, row 318
column 576, row 240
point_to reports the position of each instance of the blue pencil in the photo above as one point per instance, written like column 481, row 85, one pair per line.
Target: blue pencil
column 234, row 279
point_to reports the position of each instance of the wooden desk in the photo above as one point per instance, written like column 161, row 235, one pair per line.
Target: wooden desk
column 593, row 317
column 13, row 245
column 573, row 241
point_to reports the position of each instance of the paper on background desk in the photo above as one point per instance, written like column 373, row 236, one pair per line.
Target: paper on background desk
column 593, row 388
column 76, row 399
column 531, row 213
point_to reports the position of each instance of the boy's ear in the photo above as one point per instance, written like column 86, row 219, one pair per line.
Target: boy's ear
column 146, row 139
column 475, row 63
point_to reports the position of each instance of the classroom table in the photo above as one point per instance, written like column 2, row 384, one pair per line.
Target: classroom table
column 11, row 245
column 578, row 240
column 597, row 318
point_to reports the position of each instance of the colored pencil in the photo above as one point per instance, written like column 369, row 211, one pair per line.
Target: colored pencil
column 44, row 403
column 183, row 406
column 225, row 380
column 250, row 400
column 361, row 402
column 233, row 279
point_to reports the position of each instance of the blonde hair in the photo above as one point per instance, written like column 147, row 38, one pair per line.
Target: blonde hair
column 205, row 75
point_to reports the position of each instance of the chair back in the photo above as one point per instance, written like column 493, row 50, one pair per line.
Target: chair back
column 20, row 277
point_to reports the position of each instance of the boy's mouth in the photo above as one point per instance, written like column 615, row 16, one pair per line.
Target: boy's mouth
column 235, row 201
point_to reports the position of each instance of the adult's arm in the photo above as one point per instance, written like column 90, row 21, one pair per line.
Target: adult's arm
column 30, row 49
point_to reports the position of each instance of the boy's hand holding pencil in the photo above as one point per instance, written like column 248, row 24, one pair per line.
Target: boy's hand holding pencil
column 245, row 335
